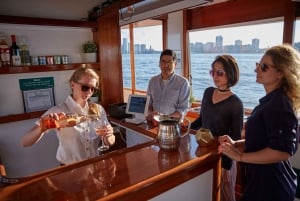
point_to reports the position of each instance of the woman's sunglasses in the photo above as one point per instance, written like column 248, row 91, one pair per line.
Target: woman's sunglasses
column 85, row 87
column 263, row 67
column 218, row 73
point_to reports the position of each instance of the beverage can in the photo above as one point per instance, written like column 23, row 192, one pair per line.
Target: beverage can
column 42, row 60
column 65, row 59
column 50, row 60
column 57, row 59
column 34, row 60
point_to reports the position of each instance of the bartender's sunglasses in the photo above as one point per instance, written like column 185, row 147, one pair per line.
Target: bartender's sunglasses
column 85, row 87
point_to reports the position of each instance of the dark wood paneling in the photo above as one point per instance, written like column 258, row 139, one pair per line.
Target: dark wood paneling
column 140, row 172
column 45, row 22
column 46, row 68
column 110, row 58
column 235, row 11
column 289, row 21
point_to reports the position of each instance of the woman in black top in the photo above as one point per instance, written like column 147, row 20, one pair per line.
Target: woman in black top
column 222, row 112
column 271, row 132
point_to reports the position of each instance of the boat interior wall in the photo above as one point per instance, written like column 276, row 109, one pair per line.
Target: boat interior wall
column 52, row 9
column 153, row 8
column 80, row 11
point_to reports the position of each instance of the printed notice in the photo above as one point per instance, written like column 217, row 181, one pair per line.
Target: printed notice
column 38, row 93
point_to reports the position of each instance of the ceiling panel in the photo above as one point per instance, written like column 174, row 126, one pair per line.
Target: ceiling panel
column 53, row 9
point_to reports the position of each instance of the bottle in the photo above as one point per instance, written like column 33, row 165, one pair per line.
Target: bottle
column 25, row 53
column 4, row 52
column 63, row 121
column 15, row 52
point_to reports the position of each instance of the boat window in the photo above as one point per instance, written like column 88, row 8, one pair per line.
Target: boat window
column 246, row 43
column 140, row 60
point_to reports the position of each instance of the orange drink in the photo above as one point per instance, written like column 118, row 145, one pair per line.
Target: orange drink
column 101, row 131
column 47, row 123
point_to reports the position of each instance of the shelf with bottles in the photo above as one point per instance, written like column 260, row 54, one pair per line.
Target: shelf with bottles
column 46, row 68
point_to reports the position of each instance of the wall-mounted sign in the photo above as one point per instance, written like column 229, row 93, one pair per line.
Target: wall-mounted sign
column 36, row 83
column 37, row 93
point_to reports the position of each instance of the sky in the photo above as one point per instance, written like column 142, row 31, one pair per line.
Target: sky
column 266, row 33
column 146, row 36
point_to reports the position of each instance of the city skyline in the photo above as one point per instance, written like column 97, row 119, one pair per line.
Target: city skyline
column 198, row 47
column 264, row 32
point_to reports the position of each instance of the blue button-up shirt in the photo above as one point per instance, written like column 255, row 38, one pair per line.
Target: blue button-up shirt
column 169, row 96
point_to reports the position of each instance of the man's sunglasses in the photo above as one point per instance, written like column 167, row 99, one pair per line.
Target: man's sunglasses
column 263, row 67
column 218, row 73
column 85, row 87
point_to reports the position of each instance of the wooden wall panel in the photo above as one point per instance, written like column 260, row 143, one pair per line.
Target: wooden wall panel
column 45, row 21
column 236, row 11
column 110, row 59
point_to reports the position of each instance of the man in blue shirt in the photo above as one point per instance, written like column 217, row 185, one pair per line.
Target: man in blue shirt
column 169, row 92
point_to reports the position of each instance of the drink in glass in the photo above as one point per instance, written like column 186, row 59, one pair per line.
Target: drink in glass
column 101, row 130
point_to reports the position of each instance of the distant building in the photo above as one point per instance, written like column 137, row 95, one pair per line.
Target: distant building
column 255, row 44
column 219, row 43
column 143, row 48
column 137, row 48
column 238, row 46
column 209, row 47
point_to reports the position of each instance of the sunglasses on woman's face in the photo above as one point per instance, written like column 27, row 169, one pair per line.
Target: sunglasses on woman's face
column 263, row 67
column 85, row 87
column 218, row 73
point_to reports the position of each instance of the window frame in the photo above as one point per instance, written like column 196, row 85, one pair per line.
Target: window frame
column 131, row 27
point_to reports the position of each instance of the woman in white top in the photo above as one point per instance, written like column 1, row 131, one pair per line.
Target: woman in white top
column 80, row 141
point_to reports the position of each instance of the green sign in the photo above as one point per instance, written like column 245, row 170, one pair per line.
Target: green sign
column 36, row 83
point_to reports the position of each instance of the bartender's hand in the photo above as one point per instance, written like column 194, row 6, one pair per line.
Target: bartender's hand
column 57, row 116
column 109, row 130
column 109, row 137
column 48, row 121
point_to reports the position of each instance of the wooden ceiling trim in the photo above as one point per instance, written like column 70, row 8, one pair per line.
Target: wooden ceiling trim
column 46, row 21
column 234, row 11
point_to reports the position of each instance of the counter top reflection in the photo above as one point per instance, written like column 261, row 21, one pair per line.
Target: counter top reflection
column 142, row 171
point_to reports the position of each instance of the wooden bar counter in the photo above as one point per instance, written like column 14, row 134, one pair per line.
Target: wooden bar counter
column 141, row 172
